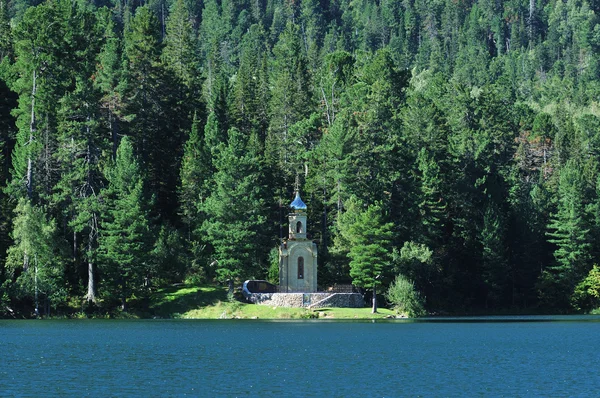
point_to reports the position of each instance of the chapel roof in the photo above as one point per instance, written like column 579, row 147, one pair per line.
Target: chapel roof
column 298, row 204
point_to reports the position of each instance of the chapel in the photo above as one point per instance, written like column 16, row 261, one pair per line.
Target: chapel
column 297, row 254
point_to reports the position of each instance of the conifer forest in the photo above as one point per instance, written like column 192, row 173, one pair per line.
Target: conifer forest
column 454, row 143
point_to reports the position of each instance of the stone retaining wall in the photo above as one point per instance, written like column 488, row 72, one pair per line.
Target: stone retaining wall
column 308, row 300
column 341, row 300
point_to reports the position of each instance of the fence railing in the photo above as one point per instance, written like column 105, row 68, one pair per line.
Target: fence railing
column 336, row 288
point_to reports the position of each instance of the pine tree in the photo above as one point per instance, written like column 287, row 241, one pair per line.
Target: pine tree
column 108, row 78
column 153, row 104
column 370, row 123
column 196, row 171
column 432, row 205
column 249, row 98
column 5, row 32
column 235, row 210
column 180, row 48
column 33, row 260
column 125, row 238
column 80, row 145
column 38, row 73
column 196, row 177
column 336, row 269
column 290, row 97
column 370, row 253
column 336, row 74
column 214, row 136
column 569, row 231
column 215, row 51
column 312, row 26
column 495, row 272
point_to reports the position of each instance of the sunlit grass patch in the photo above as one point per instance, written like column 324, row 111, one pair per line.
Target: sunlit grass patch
column 354, row 313
column 172, row 300
column 232, row 310
column 210, row 302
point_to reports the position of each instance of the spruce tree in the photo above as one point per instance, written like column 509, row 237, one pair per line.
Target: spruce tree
column 370, row 252
column 108, row 78
column 36, row 87
column 432, row 205
column 5, row 32
column 125, row 238
column 153, row 106
column 249, row 99
column 180, row 49
column 196, row 172
column 290, row 98
column 235, row 210
column 569, row 231
column 495, row 271
column 196, row 178
column 81, row 143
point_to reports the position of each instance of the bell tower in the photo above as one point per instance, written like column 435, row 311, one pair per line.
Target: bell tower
column 297, row 254
column 297, row 219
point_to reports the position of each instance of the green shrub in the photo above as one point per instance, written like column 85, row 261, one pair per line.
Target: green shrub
column 405, row 298
column 587, row 292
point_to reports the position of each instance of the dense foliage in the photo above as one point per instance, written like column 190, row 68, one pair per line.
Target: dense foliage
column 456, row 143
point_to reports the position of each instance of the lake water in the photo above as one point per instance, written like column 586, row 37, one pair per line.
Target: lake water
column 528, row 356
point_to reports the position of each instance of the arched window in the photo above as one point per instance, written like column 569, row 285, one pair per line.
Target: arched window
column 300, row 267
column 299, row 227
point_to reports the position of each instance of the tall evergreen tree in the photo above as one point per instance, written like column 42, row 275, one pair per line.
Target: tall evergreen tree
column 235, row 210
column 370, row 251
column 180, row 52
column 495, row 272
column 250, row 96
column 569, row 231
column 81, row 143
column 125, row 237
column 196, row 178
column 41, row 275
column 5, row 32
column 108, row 78
column 152, row 106
column 290, row 98
column 38, row 82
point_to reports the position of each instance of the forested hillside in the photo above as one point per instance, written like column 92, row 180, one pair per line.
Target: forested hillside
column 454, row 142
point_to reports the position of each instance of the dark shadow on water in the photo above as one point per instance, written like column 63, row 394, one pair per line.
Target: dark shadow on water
column 505, row 319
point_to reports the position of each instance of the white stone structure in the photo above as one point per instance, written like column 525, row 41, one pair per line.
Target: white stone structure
column 297, row 254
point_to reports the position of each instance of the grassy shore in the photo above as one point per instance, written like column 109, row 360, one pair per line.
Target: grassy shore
column 209, row 302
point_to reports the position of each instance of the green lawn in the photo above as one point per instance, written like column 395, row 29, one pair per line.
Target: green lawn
column 173, row 301
column 210, row 302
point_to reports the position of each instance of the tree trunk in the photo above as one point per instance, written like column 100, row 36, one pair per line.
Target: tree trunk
column 29, row 177
column 32, row 130
column 530, row 19
column 374, row 311
column 37, row 307
column 123, row 294
column 91, row 294
column 74, row 247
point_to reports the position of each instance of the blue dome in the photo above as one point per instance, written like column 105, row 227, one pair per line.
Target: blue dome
column 298, row 204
